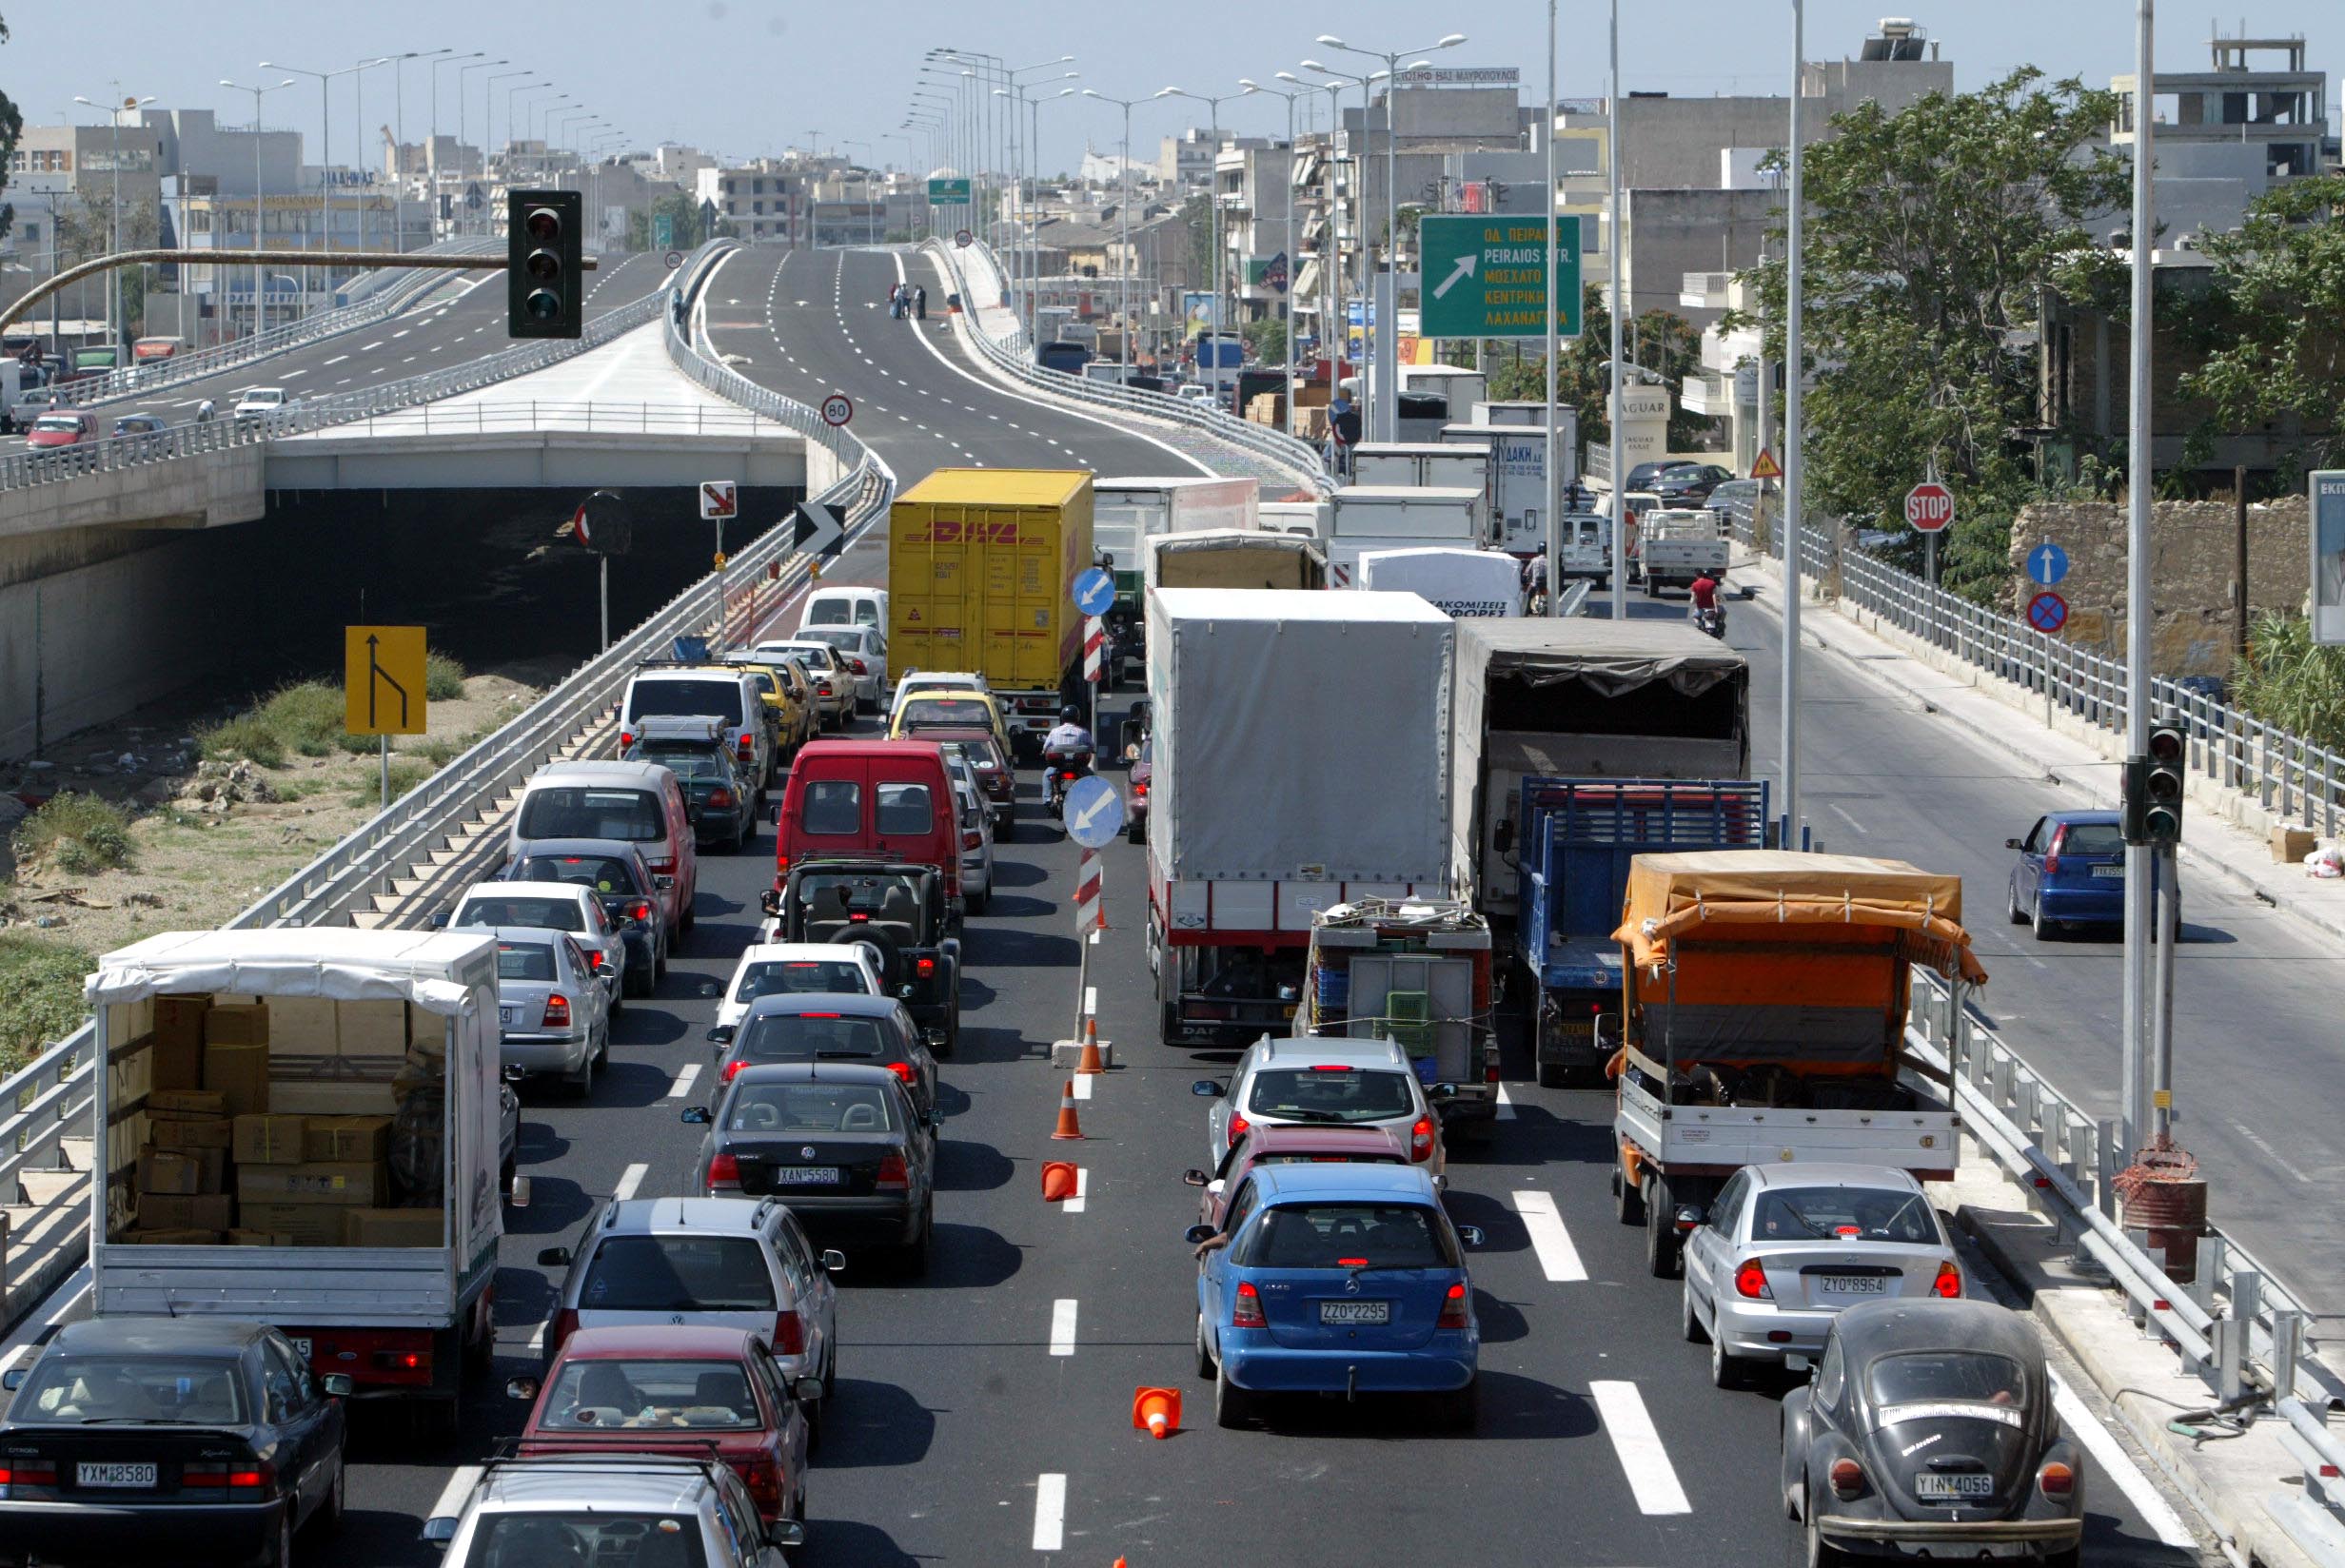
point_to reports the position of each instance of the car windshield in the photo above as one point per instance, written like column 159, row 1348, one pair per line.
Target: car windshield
column 798, row 1109
column 543, row 914
column 684, row 698
column 603, row 872
column 1331, row 1094
column 836, row 903
column 829, row 612
column 2093, row 838
column 1948, row 1377
column 524, row 961
column 595, row 1396
column 58, row 422
column 820, row 655
column 799, row 977
column 677, row 1274
column 1841, row 1214
column 1286, row 1157
column 573, row 1539
column 1348, row 1236
column 561, row 811
column 810, row 1036
column 162, row 1389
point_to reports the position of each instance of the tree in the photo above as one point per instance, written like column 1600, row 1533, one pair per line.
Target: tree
column 1930, row 233
column 2273, row 324
column 685, row 215
column 1197, row 213
column 1662, row 341
column 11, row 126
column 1268, row 339
column 86, row 231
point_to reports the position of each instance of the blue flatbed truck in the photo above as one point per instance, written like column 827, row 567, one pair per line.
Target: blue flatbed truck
column 1576, row 838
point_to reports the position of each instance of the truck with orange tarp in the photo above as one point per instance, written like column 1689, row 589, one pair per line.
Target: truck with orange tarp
column 1762, row 1021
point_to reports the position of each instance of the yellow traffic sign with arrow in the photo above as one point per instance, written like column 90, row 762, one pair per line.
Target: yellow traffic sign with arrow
column 382, row 679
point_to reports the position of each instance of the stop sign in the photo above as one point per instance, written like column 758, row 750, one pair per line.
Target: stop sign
column 1929, row 507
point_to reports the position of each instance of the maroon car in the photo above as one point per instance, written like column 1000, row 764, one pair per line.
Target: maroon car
column 1135, row 792
column 992, row 769
column 1286, row 1144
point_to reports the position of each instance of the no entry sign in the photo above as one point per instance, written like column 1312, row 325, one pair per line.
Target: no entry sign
column 1929, row 507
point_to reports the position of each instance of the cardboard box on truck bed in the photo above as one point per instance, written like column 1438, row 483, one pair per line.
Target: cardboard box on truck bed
column 392, row 1227
column 171, row 1211
column 302, row 1224
column 236, row 1024
column 260, row 1237
column 266, row 1140
column 205, row 1132
column 351, row 1183
column 367, row 1138
column 171, row 1170
column 239, row 1072
column 170, row 1238
column 186, row 1104
column 376, row 1029
column 179, row 1041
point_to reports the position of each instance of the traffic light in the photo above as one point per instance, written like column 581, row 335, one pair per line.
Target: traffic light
column 544, row 263
column 2155, row 786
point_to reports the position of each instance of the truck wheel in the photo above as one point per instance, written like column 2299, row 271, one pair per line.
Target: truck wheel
column 1660, row 1231
column 1628, row 1203
column 1553, row 1074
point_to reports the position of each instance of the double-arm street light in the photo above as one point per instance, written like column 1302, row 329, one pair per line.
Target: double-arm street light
column 258, row 308
column 1212, row 197
column 431, row 148
column 1364, row 294
column 398, row 141
column 1332, row 339
column 1123, row 218
column 115, row 106
column 325, row 150
column 1293, row 267
column 978, row 70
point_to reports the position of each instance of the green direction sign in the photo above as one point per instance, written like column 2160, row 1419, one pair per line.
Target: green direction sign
column 947, row 192
column 663, row 230
column 1485, row 277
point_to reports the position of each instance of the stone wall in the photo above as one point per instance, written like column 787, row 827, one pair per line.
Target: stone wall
column 2192, row 561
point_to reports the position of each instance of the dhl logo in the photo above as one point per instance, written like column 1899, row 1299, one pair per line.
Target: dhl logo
column 952, row 531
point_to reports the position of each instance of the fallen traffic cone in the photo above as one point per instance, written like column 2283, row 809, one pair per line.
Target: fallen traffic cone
column 1091, row 1062
column 1157, row 1410
column 1068, row 1125
column 1057, row 1181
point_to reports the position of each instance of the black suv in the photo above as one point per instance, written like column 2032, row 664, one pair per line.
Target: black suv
column 896, row 908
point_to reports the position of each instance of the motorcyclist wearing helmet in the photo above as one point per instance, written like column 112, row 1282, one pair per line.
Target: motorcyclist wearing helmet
column 1068, row 735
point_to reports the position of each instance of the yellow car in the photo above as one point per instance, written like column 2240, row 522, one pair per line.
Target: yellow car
column 945, row 706
column 788, row 712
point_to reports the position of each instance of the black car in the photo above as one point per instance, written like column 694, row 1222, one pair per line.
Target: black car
column 723, row 808
column 209, row 1433
column 837, row 1026
column 1927, row 1428
column 839, row 1142
column 615, row 870
column 1689, row 483
column 898, row 910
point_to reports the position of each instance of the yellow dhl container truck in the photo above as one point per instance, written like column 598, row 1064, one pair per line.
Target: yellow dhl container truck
column 981, row 569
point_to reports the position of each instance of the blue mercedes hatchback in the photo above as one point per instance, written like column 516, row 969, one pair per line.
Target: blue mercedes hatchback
column 2070, row 870
column 1336, row 1279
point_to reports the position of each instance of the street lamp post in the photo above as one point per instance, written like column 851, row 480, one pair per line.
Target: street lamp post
column 1794, row 463
column 1614, row 235
column 1359, row 200
column 984, row 123
column 1293, row 268
column 1212, row 197
column 431, row 148
column 1123, row 216
column 462, row 71
column 399, row 142
column 1331, row 258
column 325, row 152
column 358, row 125
column 116, row 326
column 259, row 319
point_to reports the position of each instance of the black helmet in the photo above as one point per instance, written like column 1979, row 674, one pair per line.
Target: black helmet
column 1071, row 714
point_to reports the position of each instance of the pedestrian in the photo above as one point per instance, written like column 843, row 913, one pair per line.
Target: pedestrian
column 919, row 303
column 1343, row 431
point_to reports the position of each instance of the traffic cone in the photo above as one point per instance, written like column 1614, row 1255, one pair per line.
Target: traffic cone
column 1091, row 1062
column 1157, row 1411
column 1068, row 1125
column 1057, row 1181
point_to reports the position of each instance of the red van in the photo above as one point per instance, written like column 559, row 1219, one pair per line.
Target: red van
column 889, row 798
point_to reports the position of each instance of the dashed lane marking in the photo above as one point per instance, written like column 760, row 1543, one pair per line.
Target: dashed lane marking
column 1558, row 1259
column 1062, row 1326
column 1050, row 1513
column 683, row 1081
column 1651, row 1476
column 629, row 1180
column 1082, row 1191
column 1505, row 1106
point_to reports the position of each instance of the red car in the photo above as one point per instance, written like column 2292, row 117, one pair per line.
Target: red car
column 675, row 1389
column 1287, row 1145
column 62, row 427
column 985, row 759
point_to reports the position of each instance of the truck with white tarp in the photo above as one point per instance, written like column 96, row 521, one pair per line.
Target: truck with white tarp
column 1235, row 558
column 1301, row 761
column 1477, row 583
column 302, row 1125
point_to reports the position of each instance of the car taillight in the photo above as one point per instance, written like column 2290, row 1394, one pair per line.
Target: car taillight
column 789, row 1335
column 1246, row 1312
column 2051, row 851
column 1453, row 1308
column 732, row 1069
column 723, row 1171
column 746, row 747
column 627, row 738
column 723, row 797
column 1848, row 1477
column 1949, row 1280
column 972, row 840
column 902, row 1069
column 403, row 1361
column 640, row 911
column 559, row 1331
column 858, row 666
column 2056, row 1480
column 762, row 1475
column 894, row 1176
column 1237, row 1130
column 1489, row 1073
column 1140, row 789
column 1750, row 1280
column 595, row 959
column 1066, row 775
column 1421, row 1141
column 924, row 967
column 29, row 1473
column 662, row 868
column 557, row 1013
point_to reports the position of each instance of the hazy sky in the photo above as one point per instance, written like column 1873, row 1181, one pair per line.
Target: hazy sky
column 740, row 77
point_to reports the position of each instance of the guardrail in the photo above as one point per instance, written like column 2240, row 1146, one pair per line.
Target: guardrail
column 610, row 419
column 1014, row 354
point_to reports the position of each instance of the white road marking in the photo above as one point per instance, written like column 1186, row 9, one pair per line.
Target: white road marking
column 403, row 332
column 290, row 374
column 1082, row 1191
column 2155, row 1511
column 458, row 1488
column 1506, row 1106
column 363, row 347
column 2269, row 1152
column 1845, row 816
column 1082, row 1085
column 537, row 1340
column 1062, row 1326
column 629, row 1180
column 1558, row 1259
column 336, row 359
column 683, row 1081
column 1050, row 1512
column 1090, row 1001
column 1646, row 1463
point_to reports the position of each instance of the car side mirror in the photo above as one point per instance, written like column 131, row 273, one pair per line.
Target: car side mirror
column 1131, row 754
column 663, row 883
column 521, row 1389
column 1198, row 1233
column 774, row 816
column 554, row 1257
column 695, row 1116
column 1502, row 840
column 720, row 1034
column 1209, row 1088
column 832, row 1260
column 787, row 1533
column 905, row 990
column 1471, row 1235
column 440, row 1531
column 809, row 1390
column 1194, row 1178
column 14, row 1377
column 1443, row 1091
column 337, row 1385
column 1688, row 1216
column 2011, row 843
column 439, row 919
column 1797, row 1363
column 770, row 901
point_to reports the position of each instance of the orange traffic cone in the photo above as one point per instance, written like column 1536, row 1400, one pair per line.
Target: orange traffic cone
column 1091, row 1062
column 1057, row 1181
column 1068, row 1125
column 1157, row 1410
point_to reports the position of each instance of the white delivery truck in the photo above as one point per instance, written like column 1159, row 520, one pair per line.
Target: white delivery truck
column 1435, row 464
column 302, row 1126
column 1518, row 468
column 1388, row 516
column 1459, row 583
column 1235, row 558
column 1312, row 519
column 1463, row 388
column 1128, row 511
column 1677, row 546
column 1301, row 761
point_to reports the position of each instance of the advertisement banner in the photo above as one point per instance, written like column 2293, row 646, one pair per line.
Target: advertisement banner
column 2328, row 531
column 1267, row 273
column 1196, row 313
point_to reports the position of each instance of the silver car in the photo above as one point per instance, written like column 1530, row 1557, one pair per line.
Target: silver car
column 552, row 1015
column 1315, row 1081
column 976, row 829
column 550, row 906
column 1783, row 1248
column 578, row 1508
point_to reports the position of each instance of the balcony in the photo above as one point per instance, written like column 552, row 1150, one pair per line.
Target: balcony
column 1704, row 291
column 1709, row 393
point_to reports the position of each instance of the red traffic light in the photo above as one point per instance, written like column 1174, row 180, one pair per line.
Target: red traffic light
column 545, row 225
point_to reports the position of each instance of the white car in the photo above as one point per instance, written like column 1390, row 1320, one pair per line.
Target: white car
column 976, row 826
column 832, row 681
column 550, row 906
column 782, row 969
column 865, row 651
column 258, row 401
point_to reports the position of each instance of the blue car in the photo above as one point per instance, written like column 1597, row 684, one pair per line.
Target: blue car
column 2070, row 871
column 1336, row 1279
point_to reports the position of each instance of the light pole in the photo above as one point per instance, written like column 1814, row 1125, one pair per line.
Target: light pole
column 2143, row 1117
column 1331, row 259
column 1794, row 281
column 865, row 170
column 1387, row 311
column 912, row 157
column 258, row 308
column 462, row 89
column 1613, row 236
column 983, row 70
column 326, row 153
column 431, row 148
column 488, row 108
column 1359, row 203
column 1212, row 197
column 512, row 107
column 541, row 118
column 1551, row 472
column 1017, row 94
column 1034, row 120
column 1123, row 218
column 1293, row 268
column 358, row 125
column 399, row 142
column 116, row 326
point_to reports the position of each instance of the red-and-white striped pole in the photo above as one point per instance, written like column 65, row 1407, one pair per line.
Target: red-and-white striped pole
column 1094, row 639
column 1089, row 911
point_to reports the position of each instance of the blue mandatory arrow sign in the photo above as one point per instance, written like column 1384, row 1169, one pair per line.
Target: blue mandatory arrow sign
column 1093, row 813
column 2047, row 563
column 1094, row 591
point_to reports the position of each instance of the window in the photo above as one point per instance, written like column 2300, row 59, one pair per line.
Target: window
column 677, row 1274
column 834, row 807
column 1962, row 1376
column 1832, row 1375
column 722, row 698
column 604, row 874
column 738, row 1521
column 800, row 976
column 906, row 808
column 1241, row 1209
column 1844, row 1215
column 1729, row 1200
column 1349, row 1236
column 544, row 914
column 590, row 1395
column 811, row 1036
column 799, row 1108
column 515, row 1540
column 277, row 1382
column 524, row 961
column 2093, row 838
column 944, row 712
column 116, row 1389
column 579, row 812
column 2033, row 844
column 1336, row 1094
column 827, row 611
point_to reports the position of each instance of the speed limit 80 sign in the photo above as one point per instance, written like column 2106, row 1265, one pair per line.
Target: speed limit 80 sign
column 1929, row 507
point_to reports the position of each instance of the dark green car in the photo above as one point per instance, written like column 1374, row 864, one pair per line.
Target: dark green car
column 724, row 808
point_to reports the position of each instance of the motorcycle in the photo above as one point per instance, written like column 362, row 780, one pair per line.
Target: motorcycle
column 1064, row 769
column 1712, row 620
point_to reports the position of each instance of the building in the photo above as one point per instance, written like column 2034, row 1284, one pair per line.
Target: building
column 2227, row 135
column 763, row 200
column 1186, row 162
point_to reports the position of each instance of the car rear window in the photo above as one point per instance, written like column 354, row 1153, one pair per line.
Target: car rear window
column 1281, row 1157
column 132, row 1389
column 1348, row 1236
column 830, row 612
column 906, row 808
column 2093, row 838
column 968, row 713
column 57, row 421
column 722, row 698
column 509, row 1540
column 844, row 636
column 1842, row 1215
column 1331, row 1094
column 677, row 1274
column 524, row 961
column 601, row 1396
column 834, row 807
column 575, row 811
column 800, row 977
column 800, row 1108
column 1938, row 1377
column 544, row 913
column 685, row 764
column 603, row 872
column 811, row 1037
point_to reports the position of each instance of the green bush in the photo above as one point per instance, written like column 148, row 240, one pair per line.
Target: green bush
column 443, row 678
column 406, row 776
column 76, row 832
column 40, row 996
column 244, row 735
column 2289, row 680
column 304, row 716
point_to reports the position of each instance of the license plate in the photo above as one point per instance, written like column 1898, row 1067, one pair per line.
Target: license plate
column 300, row 1348
column 504, row 1016
column 2111, row 872
column 1355, row 1312
column 113, row 1472
column 1854, row 1285
column 805, row 1175
column 1931, row 1485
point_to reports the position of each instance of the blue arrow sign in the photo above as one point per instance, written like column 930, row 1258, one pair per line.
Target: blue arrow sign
column 1094, row 591
column 2047, row 563
column 1093, row 813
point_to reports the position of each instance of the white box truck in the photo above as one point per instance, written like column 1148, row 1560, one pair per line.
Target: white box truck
column 1388, row 516
column 1128, row 511
column 1459, row 583
column 377, row 1048
column 1463, row 388
column 1518, row 467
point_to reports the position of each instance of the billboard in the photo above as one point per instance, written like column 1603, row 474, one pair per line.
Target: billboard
column 2328, row 532
column 1267, row 274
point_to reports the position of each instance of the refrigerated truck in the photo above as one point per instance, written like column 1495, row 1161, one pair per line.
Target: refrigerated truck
column 1518, row 467
column 1463, row 583
column 418, row 1011
column 1393, row 517
column 1435, row 464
